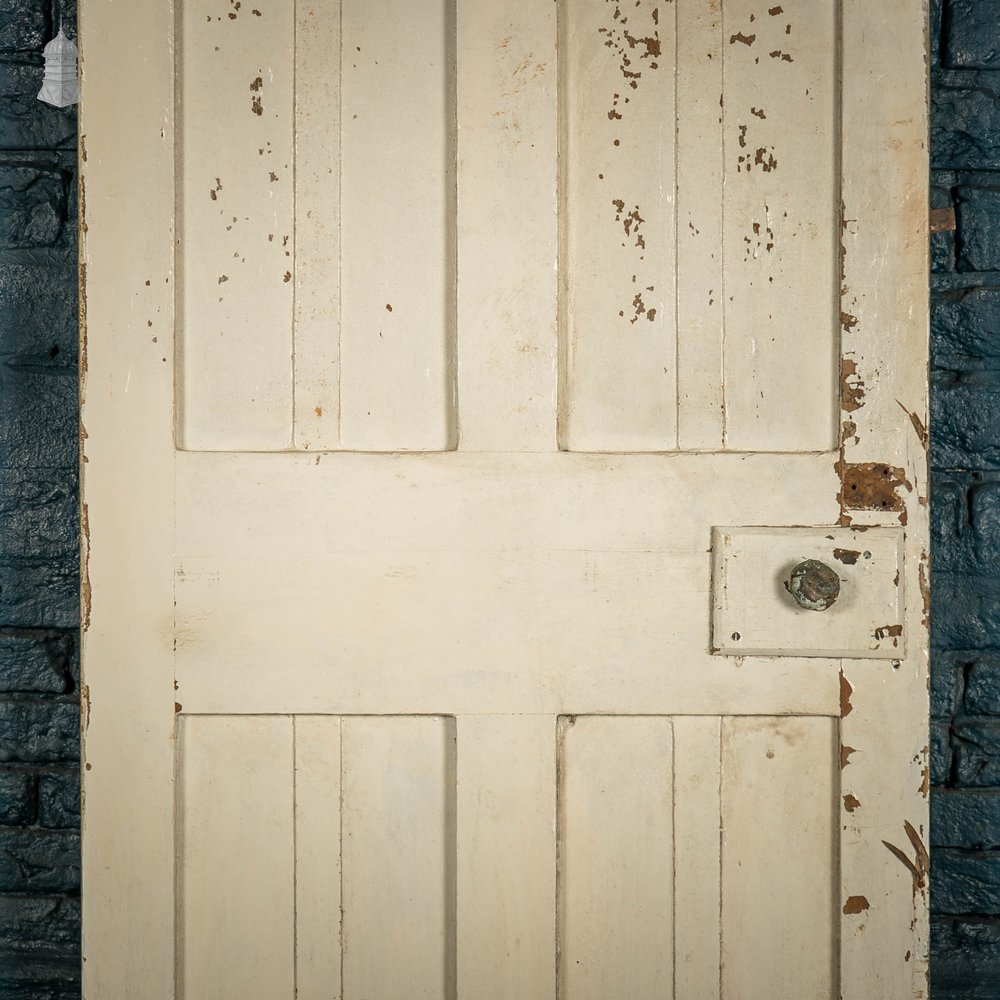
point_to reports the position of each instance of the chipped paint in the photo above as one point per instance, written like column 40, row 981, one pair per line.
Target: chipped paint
column 848, row 557
column 856, row 905
column 852, row 388
column 872, row 486
column 845, row 696
column 845, row 755
column 851, row 803
column 919, row 867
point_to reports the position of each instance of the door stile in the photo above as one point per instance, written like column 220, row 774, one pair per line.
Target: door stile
column 882, row 466
column 127, row 368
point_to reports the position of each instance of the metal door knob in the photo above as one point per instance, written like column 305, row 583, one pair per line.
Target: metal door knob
column 814, row 585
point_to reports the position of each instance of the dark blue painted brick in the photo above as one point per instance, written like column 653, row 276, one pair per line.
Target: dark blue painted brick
column 965, row 611
column 971, row 39
column 18, row 797
column 965, row 327
column 978, row 216
column 39, row 731
column 984, row 509
column 952, row 540
column 965, row 120
column 39, row 329
column 965, row 882
column 976, row 747
column 45, row 861
column 966, row 958
column 982, row 686
column 38, row 514
column 37, row 661
column 41, row 983
column 59, row 799
column 936, row 11
column 947, row 677
column 965, row 819
column 38, row 417
column 941, row 753
column 965, row 414
column 24, row 25
column 38, row 926
column 45, row 594
column 26, row 122
column 33, row 205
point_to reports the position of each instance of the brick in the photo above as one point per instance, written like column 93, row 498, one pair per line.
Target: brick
column 965, row 883
column 38, row 513
column 24, row 25
column 965, row 413
column 965, row 120
column 984, row 510
column 26, row 122
column 39, row 732
column 971, row 39
column 38, row 418
column 947, row 678
column 37, row 661
column 45, row 594
column 941, row 753
column 39, row 329
column 965, row 611
column 977, row 213
column 39, row 925
column 965, row 819
column 965, row 326
column 977, row 754
column 33, row 205
column 952, row 540
column 18, row 797
column 45, row 861
column 965, row 958
column 59, row 799
column 935, row 19
column 982, row 686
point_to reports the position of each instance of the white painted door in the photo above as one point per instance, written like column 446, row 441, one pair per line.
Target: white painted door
column 485, row 400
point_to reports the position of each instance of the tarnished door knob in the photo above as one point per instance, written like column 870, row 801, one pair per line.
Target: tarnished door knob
column 814, row 585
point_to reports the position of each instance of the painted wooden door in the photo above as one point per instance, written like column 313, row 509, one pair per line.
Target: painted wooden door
column 505, row 499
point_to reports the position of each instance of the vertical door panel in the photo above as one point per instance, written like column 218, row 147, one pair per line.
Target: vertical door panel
column 318, row 872
column 398, row 211
column 235, row 857
column 779, row 857
column 316, row 271
column 506, row 857
column 235, row 224
column 618, row 220
column 615, row 858
column 399, row 858
column 780, row 241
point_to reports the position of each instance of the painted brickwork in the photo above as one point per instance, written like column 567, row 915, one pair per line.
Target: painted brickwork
column 39, row 563
column 965, row 431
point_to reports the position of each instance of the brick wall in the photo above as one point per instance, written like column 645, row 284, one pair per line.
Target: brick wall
column 965, row 431
column 39, row 563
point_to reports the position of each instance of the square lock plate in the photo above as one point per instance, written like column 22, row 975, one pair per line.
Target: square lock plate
column 756, row 610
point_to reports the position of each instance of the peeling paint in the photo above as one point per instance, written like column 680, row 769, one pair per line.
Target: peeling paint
column 919, row 867
column 845, row 696
column 872, row 486
column 852, row 388
column 848, row 557
column 845, row 754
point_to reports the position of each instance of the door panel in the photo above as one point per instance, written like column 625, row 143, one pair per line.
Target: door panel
column 387, row 856
column 464, row 362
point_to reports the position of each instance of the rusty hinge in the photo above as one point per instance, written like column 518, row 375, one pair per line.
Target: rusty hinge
column 943, row 220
